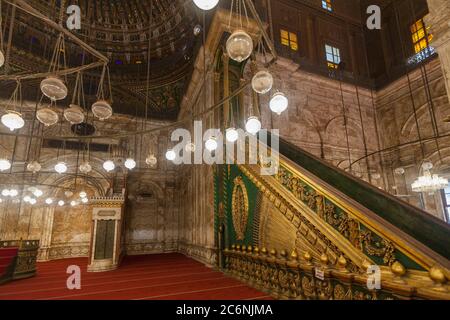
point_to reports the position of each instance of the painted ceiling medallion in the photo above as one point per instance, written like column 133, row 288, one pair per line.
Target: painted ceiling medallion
column 102, row 110
column 74, row 114
column 240, row 206
column 47, row 116
column 239, row 46
column 54, row 88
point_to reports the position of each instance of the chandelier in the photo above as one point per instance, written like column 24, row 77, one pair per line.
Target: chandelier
column 206, row 4
column 13, row 119
column 429, row 182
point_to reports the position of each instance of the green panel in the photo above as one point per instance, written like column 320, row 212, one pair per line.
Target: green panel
column 252, row 192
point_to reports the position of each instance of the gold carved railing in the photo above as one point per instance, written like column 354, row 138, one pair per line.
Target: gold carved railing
column 26, row 258
column 295, row 276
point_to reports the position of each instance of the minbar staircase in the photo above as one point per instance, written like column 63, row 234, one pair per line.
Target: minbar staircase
column 346, row 229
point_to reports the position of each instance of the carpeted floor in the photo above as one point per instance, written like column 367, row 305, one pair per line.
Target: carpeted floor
column 151, row 277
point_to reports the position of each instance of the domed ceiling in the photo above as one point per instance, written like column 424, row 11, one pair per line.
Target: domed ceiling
column 119, row 29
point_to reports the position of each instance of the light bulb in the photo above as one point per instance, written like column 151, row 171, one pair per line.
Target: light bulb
column 27, row 198
column 60, row 167
column 170, row 155
column 34, row 166
column 49, row 201
column 73, row 203
column 85, row 200
column 151, row 160
column 5, row 192
column 253, row 125
column 61, row 203
column 13, row 193
column 33, row 201
column 262, row 82
column 190, row 147
column 85, row 167
column 83, row 194
column 5, row 164
column 206, row 4
column 279, row 103
column 239, row 46
column 38, row 193
column 211, row 144
column 231, row 135
column 13, row 120
column 130, row 164
column 108, row 165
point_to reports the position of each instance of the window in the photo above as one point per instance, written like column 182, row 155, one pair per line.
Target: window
column 420, row 36
column 326, row 4
column 289, row 39
column 333, row 56
column 446, row 203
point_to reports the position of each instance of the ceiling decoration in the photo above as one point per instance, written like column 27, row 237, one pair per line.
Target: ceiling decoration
column 119, row 30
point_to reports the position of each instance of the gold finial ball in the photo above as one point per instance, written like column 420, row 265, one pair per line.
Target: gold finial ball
column 256, row 250
column 342, row 262
column 324, row 258
column 264, row 250
column 398, row 269
column 307, row 256
column 238, row 247
column 366, row 264
column 283, row 253
column 250, row 249
column 437, row 275
column 294, row 255
column 273, row 252
column 233, row 247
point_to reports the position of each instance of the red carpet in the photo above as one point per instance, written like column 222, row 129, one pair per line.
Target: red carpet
column 151, row 277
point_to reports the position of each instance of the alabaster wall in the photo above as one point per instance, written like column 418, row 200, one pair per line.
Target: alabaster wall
column 400, row 126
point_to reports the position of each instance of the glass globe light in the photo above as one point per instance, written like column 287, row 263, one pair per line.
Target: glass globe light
column 33, row 201
column 102, row 110
column 231, row 135
column 151, row 160
column 38, row 193
column 5, row 192
column 61, row 167
column 27, row 198
column 83, row 194
column 239, row 46
column 130, row 164
column 13, row 120
column 279, row 103
column 34, row 166
column 85, row 167
column 197, row 30
column 61, row 203
column 211, row 144
column 253, row 125
column 49, row 201
column 47, row 116
column 54, row 88
column 170, row 155
column 68, row 194
column 206, row 4
column 13, row 193
column 109, row 165
column 74, row 114
column 85, row 200
column 5, row 164
column 262, row 82
column 2, row 59
column 73, row 203
column 190, row 147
